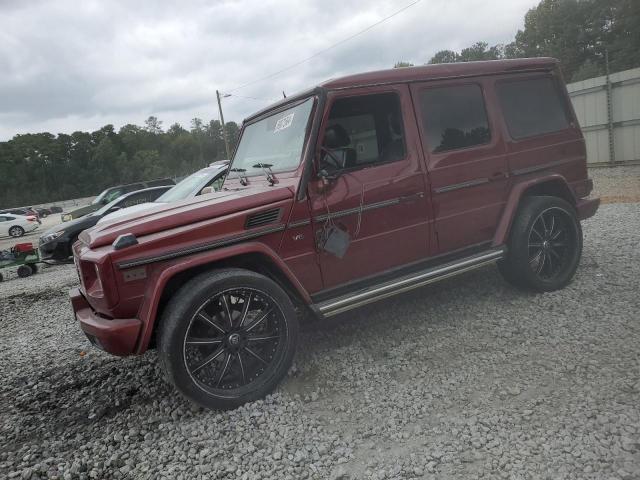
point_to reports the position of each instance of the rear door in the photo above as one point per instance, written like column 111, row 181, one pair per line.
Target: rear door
column 466, row 159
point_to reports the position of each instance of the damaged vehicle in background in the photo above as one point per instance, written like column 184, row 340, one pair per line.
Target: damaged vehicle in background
column 361, row 188
column 202, row 182
column 110, row 194
column 55, row 244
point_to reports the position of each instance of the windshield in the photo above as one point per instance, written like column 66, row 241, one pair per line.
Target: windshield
column 99, row 198
column 275, row 141
column 102, row 211
column 186, row 188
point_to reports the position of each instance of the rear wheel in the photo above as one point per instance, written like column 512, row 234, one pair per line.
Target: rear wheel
column 16, row 231
column 33, row 267
column 544, row 246
column 227, row 338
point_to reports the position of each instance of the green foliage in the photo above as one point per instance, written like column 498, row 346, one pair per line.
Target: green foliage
column 445, row 56
column 402, row 64
column 577, row 32
column 39, row 168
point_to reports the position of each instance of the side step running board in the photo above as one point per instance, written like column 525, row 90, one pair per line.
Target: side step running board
column 407, row 282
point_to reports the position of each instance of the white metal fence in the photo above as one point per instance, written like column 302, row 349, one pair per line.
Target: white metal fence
column 608, row 109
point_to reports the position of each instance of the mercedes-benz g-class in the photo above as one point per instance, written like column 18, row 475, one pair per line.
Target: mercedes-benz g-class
column 361, row 188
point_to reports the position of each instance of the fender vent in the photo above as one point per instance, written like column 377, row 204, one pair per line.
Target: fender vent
column 262, row 218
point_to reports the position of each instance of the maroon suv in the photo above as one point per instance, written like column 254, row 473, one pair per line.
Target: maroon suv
column 361, row 188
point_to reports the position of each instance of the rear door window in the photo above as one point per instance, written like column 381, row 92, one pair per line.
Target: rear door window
column 454, row 117
column 532, row 107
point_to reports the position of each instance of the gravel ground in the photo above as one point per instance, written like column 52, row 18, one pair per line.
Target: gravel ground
column 616, row 184
column 468, row 378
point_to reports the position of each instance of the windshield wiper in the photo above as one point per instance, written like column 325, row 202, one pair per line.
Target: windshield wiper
column 266, row 168
column 240, row 171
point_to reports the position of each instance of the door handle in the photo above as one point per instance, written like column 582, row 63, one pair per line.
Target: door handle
column 498, row 176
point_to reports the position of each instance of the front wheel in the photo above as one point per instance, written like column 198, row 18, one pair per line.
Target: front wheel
column 227, row 337
column 545, row 245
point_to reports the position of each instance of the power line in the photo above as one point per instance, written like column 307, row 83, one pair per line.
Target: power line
column 249, row 98
column 274, row 74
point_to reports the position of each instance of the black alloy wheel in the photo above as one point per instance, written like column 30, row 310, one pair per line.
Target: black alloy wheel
column 233, row 339
column 227, row 337
column 545, row 245
column 551, row 242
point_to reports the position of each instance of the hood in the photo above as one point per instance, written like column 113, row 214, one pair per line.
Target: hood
column 173, row 215
column 79, row 212
column 74, row 226
column 134, row 209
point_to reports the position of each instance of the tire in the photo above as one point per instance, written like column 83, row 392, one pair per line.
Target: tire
column 33, row 267
column 545, row 245
column 1, row 277
column 219, row 355
column 24, row 271
column 16, row 231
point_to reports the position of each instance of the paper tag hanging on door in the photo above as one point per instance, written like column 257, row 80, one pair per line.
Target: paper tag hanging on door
column 334, row 240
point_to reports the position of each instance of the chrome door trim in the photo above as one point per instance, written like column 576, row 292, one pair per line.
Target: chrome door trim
column 409, row 282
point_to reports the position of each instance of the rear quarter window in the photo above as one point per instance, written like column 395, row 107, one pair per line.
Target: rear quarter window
column 532, row 107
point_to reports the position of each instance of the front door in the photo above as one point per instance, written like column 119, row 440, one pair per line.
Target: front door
column 378, row 195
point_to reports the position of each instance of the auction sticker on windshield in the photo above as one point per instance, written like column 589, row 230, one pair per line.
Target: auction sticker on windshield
column 284, row 122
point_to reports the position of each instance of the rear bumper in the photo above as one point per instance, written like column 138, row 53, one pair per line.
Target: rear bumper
column 587, row 207
column 116, row 336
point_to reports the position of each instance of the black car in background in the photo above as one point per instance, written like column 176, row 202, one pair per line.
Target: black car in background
column 43, row 212
column 110, row 194
column 56, row 243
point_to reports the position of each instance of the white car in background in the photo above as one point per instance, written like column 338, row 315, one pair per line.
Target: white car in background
column 16, row 225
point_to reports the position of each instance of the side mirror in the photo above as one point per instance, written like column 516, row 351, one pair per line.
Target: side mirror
column 325, row 180
column 207, row 190
column 114, row 209
column 327, row 177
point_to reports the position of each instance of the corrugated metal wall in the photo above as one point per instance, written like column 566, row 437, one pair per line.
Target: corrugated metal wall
column 615, row 139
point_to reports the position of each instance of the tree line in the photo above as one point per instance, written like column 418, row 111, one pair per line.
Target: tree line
column 580, row 33
column 42, row 168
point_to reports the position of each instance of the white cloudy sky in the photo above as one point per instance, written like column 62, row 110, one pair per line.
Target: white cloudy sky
column 70, row 65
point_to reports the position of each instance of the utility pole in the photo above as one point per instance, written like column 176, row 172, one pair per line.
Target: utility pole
column 224, row 130
column 612, row 147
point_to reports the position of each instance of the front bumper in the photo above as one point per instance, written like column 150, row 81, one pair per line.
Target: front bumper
column 587, row 207
column 116, row 336
column 58, row 249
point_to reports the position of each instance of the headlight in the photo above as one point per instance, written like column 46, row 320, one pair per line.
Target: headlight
column 50, row 237
column 66, row 217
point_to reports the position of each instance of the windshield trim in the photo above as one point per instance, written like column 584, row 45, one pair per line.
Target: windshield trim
column 283, row 104
column 264, row 114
